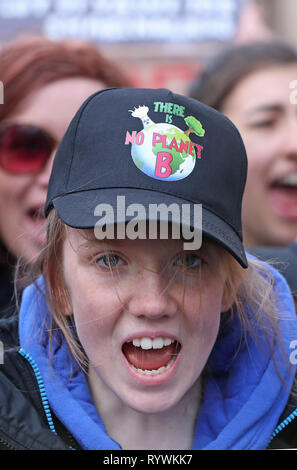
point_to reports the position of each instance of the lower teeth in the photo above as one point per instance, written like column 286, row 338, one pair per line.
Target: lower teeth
column 154, row 371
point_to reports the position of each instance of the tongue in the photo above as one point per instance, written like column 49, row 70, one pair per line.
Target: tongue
column 284, row 201
column 151, row 359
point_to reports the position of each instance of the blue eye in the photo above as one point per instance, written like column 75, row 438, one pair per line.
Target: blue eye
column 110, row 261
column 188, row 260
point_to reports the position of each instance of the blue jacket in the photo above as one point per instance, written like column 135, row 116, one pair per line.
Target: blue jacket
column 244, row 395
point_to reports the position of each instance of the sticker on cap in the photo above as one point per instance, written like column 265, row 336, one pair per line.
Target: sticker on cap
column 162, row 150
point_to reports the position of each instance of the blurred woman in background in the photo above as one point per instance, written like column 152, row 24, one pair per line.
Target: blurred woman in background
column 44, row 83
column 251, row 85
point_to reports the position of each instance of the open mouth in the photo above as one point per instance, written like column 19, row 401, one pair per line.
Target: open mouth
column 284, row 196
column 36, row 214
column 151, row 356
column 288, row 182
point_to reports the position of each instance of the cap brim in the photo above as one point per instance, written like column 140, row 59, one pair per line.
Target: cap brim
column 78, row 211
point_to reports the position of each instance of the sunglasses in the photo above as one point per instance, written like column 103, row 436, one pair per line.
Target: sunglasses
column 24, row 148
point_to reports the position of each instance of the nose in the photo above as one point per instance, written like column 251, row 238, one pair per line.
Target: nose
column 153, row 297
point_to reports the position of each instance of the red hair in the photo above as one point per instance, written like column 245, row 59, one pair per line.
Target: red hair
column 28, row 64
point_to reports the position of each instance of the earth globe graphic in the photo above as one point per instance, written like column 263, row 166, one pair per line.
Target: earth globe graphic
column 148, row 146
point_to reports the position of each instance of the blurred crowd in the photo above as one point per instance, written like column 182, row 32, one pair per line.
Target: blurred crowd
column 46, row 81
column 253, row 83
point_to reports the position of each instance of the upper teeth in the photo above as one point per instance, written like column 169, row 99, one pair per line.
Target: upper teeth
column 148, row 343
column 290, row 179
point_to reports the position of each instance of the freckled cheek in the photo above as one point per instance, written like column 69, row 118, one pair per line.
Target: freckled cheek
column 95, row 317
column 202, row 329
column 210, row 328
column 204, row 317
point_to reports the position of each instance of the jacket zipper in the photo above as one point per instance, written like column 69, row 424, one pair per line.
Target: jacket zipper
column 48, row 414
column 41, row 387
column 283, row 424
column 6, row 444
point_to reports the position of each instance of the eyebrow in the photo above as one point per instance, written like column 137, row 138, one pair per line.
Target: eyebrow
column 266, row 108
column 90, row 244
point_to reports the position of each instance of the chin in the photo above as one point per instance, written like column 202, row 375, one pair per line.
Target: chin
column 280, row 237
column 153, row 404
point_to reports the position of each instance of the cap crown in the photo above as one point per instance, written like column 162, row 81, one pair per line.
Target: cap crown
column 124, row 138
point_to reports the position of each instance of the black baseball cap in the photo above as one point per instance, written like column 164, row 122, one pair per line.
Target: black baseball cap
column 152, row 146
